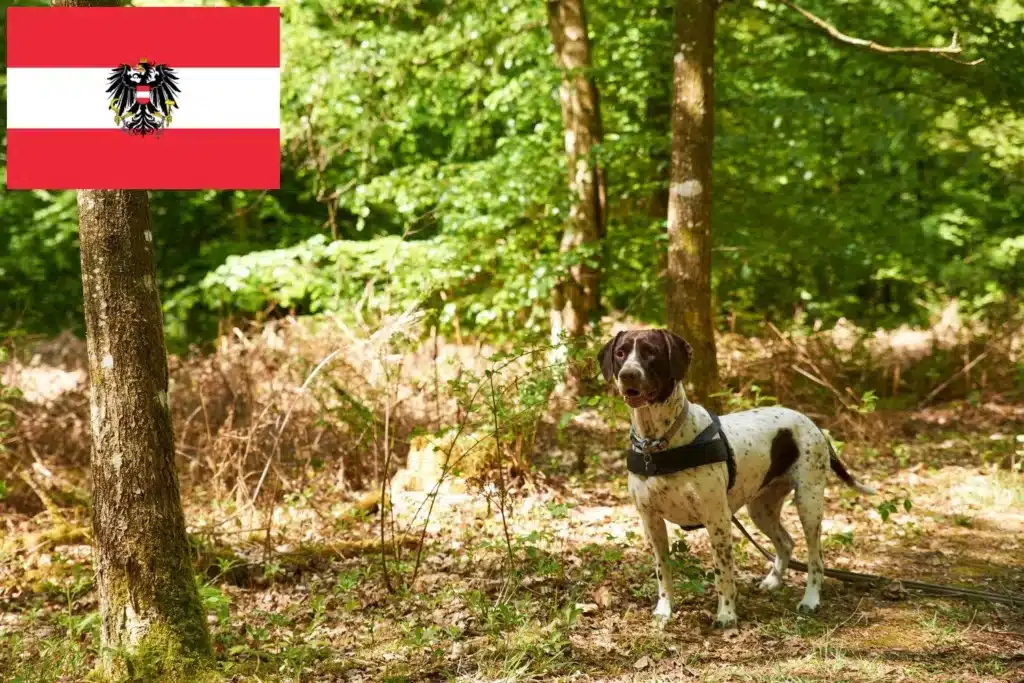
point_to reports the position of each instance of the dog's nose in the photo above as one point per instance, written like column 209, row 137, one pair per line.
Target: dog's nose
column 630, row 375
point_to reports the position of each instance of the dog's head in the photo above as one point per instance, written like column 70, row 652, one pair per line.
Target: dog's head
column 645, row 364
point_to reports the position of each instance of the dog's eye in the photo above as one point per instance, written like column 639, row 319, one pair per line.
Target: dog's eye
column 621, row 353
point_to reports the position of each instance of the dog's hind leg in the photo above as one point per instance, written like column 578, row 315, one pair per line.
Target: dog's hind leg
column 810, row 504
column 765, row 511
column 657, row 538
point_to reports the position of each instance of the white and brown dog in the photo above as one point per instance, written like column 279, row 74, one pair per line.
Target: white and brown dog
column 776, row 450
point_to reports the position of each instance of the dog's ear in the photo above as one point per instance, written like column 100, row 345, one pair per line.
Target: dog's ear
column 606, row 357
column 679, row 354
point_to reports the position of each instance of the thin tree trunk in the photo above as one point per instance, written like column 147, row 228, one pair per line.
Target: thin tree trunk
column 688, row 299
column 576, row 301
column 149, row 605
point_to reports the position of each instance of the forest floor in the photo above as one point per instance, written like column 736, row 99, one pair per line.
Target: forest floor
column 577, row 603
column 560, row 587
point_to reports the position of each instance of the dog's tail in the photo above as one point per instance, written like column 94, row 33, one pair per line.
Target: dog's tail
column 840, row 469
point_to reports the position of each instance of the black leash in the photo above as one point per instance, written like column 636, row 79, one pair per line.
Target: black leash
column 875, row 581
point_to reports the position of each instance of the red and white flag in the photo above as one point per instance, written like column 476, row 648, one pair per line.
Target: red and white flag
column 182, row 98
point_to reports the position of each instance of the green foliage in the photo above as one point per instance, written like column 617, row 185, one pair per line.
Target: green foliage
column 312, row 277
column 847, row 182
column 887, row 507
column 740, row 401
column 839, row 540
column 687, row 571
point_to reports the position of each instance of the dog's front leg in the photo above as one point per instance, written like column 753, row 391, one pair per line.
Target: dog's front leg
column 720, row 533
column 657, row 537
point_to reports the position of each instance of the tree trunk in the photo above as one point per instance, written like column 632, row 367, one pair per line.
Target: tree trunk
column 149, row 605
column 688, row 299
column 576, row 301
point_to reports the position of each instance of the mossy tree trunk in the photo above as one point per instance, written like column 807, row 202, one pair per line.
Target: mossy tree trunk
column 688, row 296
column 149, row 604
column 575, row 302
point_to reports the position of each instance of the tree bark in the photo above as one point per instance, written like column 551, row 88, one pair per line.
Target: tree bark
column 688, row 296
column 149, row 605
column 575, row 302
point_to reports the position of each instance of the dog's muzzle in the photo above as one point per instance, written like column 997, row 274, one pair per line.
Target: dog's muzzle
column 633, row 385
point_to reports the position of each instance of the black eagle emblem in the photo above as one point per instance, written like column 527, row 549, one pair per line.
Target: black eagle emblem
column 142, row 96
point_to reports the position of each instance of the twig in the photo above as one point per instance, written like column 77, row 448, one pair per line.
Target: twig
column 820, row 379
column 210, row 531
column 856, row 613
column 384, row 490
column 952, row 49
column 48, row 503
column 965, row 369
column 969, row 625
column 437, row 377
column 821, row 382
column 284, row 423
column 246, row 209
column 501, row 474
column 991, row 344
column 449, row 465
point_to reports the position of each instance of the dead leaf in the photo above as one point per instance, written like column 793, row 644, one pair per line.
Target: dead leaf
column 642, row 663
column 603, row 597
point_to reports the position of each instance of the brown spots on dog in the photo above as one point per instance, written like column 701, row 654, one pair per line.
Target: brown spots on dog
column 784, row 453
column 607, row 358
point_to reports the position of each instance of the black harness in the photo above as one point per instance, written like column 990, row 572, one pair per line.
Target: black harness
column 649, row 458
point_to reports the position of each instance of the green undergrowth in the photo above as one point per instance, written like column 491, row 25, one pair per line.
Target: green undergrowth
column 158, row 658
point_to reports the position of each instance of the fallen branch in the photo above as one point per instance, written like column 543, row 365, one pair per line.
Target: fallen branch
column 822, row 382
column 965, row 369
column 991, row 344
column 48, row 503
column 952, row 49
column 805, row 357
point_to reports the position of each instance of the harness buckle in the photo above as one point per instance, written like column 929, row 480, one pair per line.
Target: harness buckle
column 648, row 464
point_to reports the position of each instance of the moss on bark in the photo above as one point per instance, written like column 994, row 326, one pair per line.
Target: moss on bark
column 158, row 658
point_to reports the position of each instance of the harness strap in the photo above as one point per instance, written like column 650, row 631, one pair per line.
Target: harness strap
column 730, row 462
column 703, row 450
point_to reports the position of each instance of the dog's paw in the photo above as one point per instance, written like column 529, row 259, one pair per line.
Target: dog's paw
column 807, row 606
column 724, row 621
column 662, row 613
column 770, row 582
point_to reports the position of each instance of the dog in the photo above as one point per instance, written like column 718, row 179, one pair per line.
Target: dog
column 775, row 450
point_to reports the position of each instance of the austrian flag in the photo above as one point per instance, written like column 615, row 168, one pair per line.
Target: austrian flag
column 155, row 98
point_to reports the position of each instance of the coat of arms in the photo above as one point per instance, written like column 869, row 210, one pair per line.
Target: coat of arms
column 142, row 96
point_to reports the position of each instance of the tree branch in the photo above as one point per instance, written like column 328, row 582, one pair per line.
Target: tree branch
column 952, row 49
